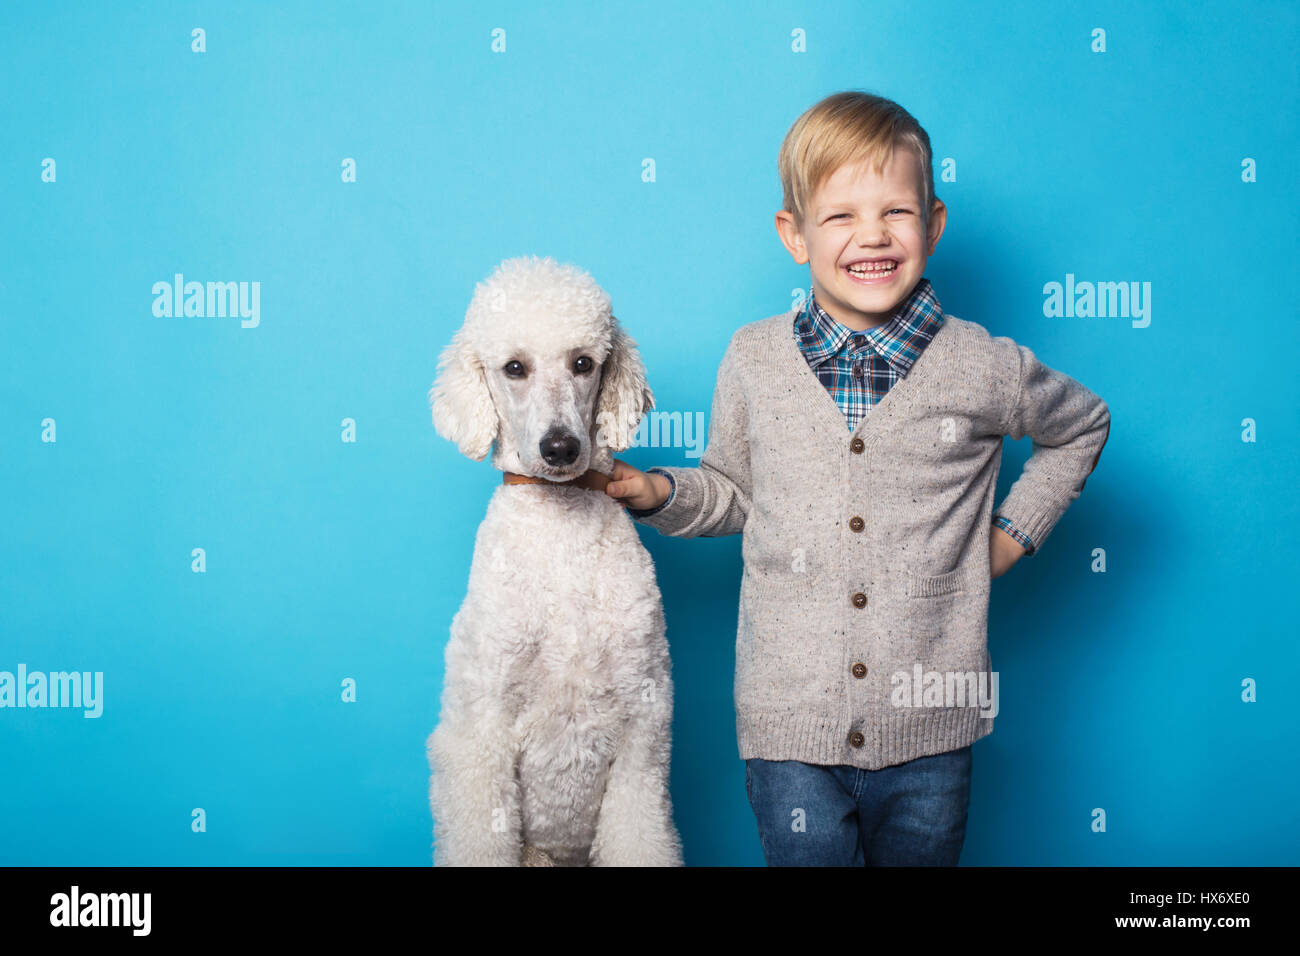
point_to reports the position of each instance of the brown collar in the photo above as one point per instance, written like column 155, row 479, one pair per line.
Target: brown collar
column 591, row 479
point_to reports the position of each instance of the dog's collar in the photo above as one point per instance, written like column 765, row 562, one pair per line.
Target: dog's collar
column 591, row 479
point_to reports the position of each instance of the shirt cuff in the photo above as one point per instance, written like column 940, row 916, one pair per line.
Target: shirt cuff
column 672, row 490
column 1025, row 541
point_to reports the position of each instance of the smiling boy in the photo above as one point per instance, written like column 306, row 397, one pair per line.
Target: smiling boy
column 868, row 553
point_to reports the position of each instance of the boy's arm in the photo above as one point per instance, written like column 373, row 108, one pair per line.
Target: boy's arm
column 713, row 499
column 1069, row 426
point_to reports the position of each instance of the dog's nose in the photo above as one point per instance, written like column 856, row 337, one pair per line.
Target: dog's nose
column 559, row 447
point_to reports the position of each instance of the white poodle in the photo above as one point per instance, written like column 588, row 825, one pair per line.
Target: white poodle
column 552, row 747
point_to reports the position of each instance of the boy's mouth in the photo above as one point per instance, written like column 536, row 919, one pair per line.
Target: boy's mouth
column 872, row 271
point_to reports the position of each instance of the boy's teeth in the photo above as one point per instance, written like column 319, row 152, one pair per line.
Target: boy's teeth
column 867, row 268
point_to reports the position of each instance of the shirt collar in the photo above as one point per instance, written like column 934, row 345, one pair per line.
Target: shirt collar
column 900, row 340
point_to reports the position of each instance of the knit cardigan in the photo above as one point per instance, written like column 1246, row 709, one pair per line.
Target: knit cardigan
column 862, row 632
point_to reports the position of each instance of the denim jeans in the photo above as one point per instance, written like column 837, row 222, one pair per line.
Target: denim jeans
column 912, row 814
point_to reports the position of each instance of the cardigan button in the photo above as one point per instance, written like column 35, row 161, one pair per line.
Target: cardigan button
column 857, row 445
column 859, row 670
column 856, row 523
column 859, row 600
column 856, row 739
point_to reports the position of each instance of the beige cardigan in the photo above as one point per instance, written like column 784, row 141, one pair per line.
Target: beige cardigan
column 869, row 647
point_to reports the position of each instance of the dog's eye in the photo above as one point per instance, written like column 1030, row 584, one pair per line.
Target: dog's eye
column 514, row 369
column 583, row 364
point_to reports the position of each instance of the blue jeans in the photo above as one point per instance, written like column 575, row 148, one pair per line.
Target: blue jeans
column 912, row 814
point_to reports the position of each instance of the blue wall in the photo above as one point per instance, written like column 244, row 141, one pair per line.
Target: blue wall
column 328, row 560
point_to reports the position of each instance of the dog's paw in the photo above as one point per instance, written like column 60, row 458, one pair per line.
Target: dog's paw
column 535, row 857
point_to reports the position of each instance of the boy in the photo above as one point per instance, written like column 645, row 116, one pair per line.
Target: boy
column 868, row 553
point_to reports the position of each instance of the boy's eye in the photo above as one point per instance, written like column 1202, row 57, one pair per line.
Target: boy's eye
column 844, row 215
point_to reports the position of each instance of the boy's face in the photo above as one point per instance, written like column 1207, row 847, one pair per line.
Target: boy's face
column 856, row 217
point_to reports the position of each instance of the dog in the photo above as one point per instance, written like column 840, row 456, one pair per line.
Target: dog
column 552, row 746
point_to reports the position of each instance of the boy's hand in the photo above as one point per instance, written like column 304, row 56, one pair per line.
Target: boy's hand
column 636, row 489
column 1004, row 551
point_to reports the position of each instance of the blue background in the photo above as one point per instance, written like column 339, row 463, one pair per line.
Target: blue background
column 326, row 560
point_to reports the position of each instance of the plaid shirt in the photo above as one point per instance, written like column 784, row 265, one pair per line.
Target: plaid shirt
column 858, row 368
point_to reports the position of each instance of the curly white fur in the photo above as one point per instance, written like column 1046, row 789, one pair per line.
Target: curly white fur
column 553, row 743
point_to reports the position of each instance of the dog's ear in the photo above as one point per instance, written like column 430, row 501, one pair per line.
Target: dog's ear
column 463, row 411
column 624, row 394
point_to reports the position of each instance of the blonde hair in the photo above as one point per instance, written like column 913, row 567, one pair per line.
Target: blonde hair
column 848, row 128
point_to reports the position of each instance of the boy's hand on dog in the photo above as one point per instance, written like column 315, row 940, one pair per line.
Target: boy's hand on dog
column 1004, row 551
column 635, row 489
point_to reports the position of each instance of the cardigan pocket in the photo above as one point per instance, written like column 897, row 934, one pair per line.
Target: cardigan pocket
column 941, row 613
column 935, row 585
column 931, row 601
column 775, row 604
column 777, row 614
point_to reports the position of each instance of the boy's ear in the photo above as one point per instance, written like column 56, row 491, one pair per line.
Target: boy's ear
column 463, row 410
column 790, row 232
column 624, row 394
